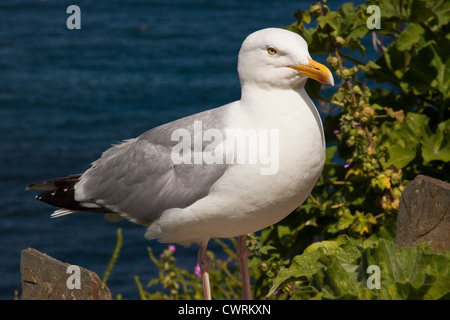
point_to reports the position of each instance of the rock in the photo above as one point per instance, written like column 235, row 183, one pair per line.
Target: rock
column 45, row 278
column 424, row 214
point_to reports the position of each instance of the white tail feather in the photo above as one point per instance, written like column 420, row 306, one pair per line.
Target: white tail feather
column 62, row 212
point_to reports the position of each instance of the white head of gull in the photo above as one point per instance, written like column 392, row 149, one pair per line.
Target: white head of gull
column 187, row 188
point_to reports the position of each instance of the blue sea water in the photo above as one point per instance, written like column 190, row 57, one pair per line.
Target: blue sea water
column 67, row 95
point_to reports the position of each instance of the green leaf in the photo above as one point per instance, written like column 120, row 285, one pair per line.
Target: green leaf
column 419, row 75
column 402, row 140
column 337, row 270
column 345, row 221
column 387, row 8
column 401, row 156
column 370, row 65
column 441, row 9
column 335, row 282
column 437, row 146
column 358, row 32
column 402, row 149
column 332, row 19
column 306, row 16
column 329, row 153
column 442, row 80
column 347, row 9
column 412, row 35
column 303, row 15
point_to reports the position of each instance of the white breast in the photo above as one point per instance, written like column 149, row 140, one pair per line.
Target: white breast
column 244, row 200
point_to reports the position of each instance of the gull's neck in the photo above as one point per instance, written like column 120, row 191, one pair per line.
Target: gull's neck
column 281, row 105
column 254, row 96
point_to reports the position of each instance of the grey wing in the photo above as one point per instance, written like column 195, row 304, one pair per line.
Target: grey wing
column 138, row 178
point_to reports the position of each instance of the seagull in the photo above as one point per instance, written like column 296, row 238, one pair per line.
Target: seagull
column 224, row 172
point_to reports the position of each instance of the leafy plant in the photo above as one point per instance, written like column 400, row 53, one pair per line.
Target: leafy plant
column 339, row 269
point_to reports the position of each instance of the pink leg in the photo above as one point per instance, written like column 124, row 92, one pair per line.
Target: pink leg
column 242, row 254
column 204, row 261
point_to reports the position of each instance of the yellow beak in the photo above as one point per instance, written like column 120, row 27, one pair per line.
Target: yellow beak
column 316, row 71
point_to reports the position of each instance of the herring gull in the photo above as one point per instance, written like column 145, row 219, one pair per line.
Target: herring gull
column 224, row 172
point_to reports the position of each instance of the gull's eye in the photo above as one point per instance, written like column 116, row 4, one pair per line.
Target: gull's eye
column 272, row 51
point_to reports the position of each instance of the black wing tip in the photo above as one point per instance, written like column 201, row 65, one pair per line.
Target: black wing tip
column 47, row 185
column 60, row 193
column 54, row 184
column 33, row 186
